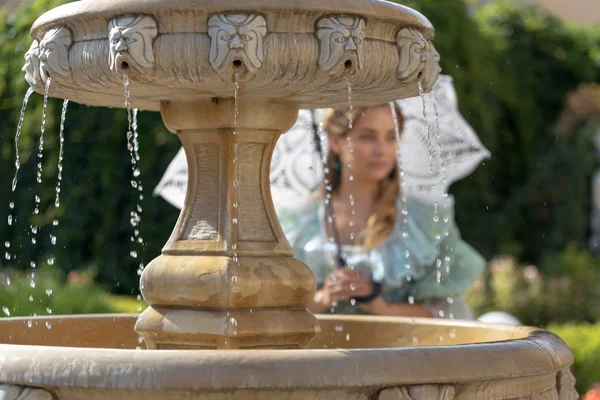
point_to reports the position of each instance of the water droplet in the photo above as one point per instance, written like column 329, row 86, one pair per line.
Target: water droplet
column 436, row 218
column 452, row 334
column 411, row 300
column 48, row 292
column 53, row 240
column 233, row 322
column 351, row 178
column 415, row 340
column 441, row 313
column 234, row 221
column 404, row 234
column 339, row 328
column 7, row 255
column 30, row 297
column 48, row 325
column 353, row 287
column 33, row 240
column 441, row 338
column 29, row 323
column 353, row 302
column 7, row 244
column 7, row 281
column 134, row 184
column 32, row 284
column 50, row 261
column 438, row 263
column 32, row 264
column 11, row 205
column 55, row 222
column 450, row 300
column 234, row 279
column 133, row 253
column 34, row 229
column 347, row 337
column 10, row 220
column 136, row 172
column 6, row 311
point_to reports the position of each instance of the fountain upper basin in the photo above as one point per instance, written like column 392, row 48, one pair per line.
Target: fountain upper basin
column 352, row 358
column 184, row 50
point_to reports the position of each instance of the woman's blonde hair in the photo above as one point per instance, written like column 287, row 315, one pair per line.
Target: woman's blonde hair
column 381, row 222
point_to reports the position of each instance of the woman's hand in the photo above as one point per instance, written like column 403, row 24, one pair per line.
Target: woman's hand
column 341, row 285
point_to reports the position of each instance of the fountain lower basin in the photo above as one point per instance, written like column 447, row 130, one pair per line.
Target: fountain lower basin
column 94, row 357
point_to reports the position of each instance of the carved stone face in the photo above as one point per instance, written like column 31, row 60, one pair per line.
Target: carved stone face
column 32, row 65
column 341, row 43
column 237, row 37
column 131, row 40
column 54, row 53
column 417, row 55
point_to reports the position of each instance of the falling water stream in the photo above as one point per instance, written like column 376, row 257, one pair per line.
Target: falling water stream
column 34, row 229
column 12, row 219
column 235, row 206
column 136, row 181
column 351, row 179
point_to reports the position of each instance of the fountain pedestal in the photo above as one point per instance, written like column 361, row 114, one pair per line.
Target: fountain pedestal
column 227, row 277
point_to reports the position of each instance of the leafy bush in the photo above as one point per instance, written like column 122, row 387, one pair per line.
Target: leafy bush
column 49, row 293
column 569, row 292
column 584, row 341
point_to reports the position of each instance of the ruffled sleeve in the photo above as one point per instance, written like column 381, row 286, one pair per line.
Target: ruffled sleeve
column 302, row 228
column 425, row 257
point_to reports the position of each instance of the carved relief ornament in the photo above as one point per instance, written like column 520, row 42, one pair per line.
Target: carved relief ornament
column 236, row 38
column 340, row 43
column 131, row 42
column 54, row 53
column 417, row 56
column 32, row 66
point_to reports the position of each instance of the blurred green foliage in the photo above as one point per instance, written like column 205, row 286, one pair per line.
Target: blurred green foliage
column 567, row 293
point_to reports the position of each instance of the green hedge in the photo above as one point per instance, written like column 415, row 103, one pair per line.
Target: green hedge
column 50, row 293
column 584, row 341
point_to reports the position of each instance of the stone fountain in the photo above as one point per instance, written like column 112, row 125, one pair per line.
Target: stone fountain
column 227, row 278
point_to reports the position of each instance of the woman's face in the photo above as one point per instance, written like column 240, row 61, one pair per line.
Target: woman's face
column 374, row 146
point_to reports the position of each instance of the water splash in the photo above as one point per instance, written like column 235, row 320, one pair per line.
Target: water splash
column 133, row 148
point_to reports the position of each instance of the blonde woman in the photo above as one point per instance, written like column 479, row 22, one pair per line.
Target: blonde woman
column 373, row 250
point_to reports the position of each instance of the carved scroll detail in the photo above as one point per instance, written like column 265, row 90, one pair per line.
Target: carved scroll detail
column 13, row 392
column 419, row 392
column 565, row 384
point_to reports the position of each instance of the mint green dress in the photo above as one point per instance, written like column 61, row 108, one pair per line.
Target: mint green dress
column 423, row 260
